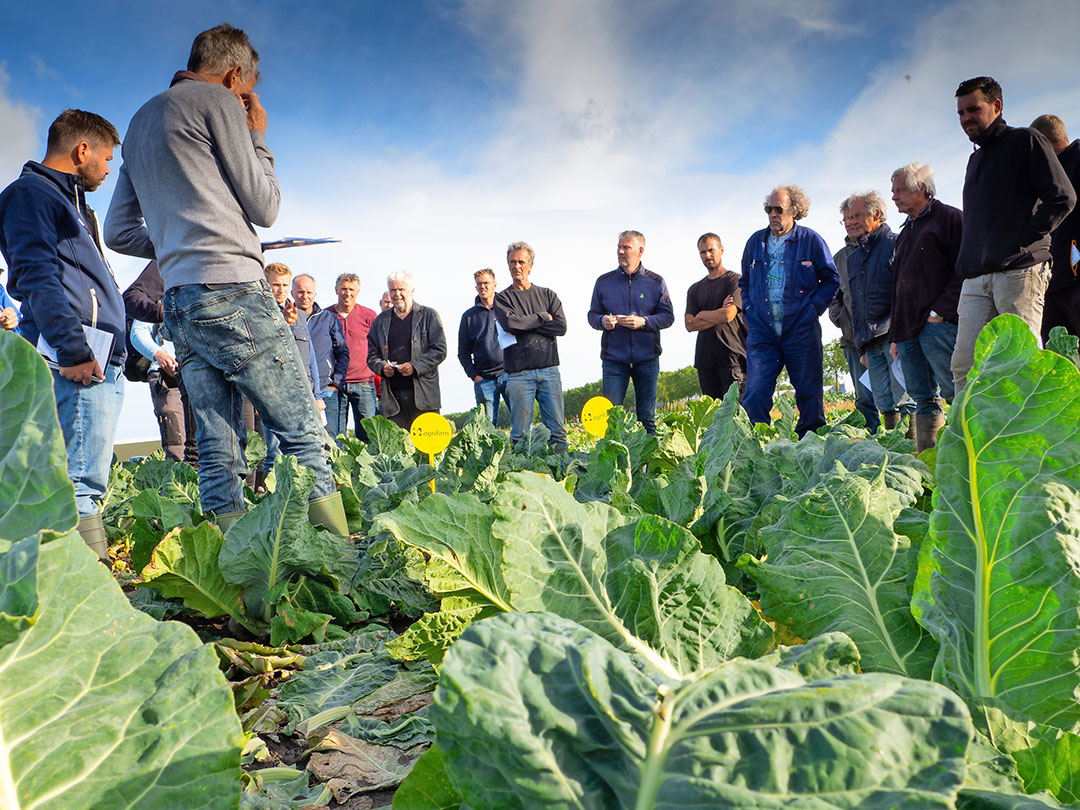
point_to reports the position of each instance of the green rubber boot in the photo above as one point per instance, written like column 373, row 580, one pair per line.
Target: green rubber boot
column 329, row 511
column 93, row 534
column 226, row 519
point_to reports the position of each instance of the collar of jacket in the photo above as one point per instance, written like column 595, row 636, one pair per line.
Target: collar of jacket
column 924, row 213
column 187, row 75
column 793, row 234
column 867, row 242
column 993, row 132
column 638, row 272
column 315, row 308
column 66, row 182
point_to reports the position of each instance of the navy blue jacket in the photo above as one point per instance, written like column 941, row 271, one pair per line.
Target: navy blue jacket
column 331, row 350
column 479, row 351
column 870, row 278
column 809, row 285
column 643, row 293
column 49, row 238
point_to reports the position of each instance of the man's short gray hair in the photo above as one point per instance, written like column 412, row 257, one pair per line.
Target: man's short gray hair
column 1052, row 128
column 800, row 203
column 871, row 201
column 347, row 277
column 218, row 49
column 521, row 246
column 636, row 235
column 308, row 276
column 917, row 177
column 401, row 275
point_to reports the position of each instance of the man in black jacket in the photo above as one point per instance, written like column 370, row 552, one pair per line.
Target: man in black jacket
column 1015, row 194
column 1063, row 295
column 406, row 343
column 479, row 351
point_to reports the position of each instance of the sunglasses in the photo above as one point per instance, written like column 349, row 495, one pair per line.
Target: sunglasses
column 774, row 209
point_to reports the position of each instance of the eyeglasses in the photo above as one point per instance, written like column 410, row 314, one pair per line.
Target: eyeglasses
column 774, row 209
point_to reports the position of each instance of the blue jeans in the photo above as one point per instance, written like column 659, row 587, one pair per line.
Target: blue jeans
column 881, row 379
column 488, row 393
column 927, row 363
column 360, row 396
column 544, row 385
column 88, row 415
column 230, row 342
column 799, row 350
column 864, row 398
column 616, row 380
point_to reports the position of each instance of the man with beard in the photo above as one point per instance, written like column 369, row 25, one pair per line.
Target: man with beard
column 1015, row 194
column 714, row 311
column 72, row 310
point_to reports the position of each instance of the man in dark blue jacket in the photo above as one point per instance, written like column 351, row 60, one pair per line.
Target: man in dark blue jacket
column 327, row 339
column 788, row 280
column 870, row 280
column 631, row 305
column 71, row 307
column 479, row 351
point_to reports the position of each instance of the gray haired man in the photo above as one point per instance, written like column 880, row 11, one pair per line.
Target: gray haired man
column 406, row 343
column 197, row 177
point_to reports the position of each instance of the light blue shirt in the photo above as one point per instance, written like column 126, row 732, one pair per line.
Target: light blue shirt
column 142, row 338
column 776, row 278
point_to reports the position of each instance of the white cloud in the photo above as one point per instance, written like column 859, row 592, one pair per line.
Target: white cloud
column 647, row 116
column 19, row 138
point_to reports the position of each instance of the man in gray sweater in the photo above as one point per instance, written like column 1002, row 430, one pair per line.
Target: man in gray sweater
column 197, row 176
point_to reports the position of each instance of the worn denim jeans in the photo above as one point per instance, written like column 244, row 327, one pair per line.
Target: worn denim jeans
column 878, row 360
column 88, row 415
column 488, row 393
column 864, row 397
column 233, row 341
column 360, row 396
column 927, row 363
column 544, row 385
column 616, row 380
column 983, row 298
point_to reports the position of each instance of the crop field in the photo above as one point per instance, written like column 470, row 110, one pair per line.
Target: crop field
column 720, row 616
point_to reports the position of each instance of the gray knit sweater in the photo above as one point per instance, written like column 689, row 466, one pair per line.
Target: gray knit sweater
column 195, row 180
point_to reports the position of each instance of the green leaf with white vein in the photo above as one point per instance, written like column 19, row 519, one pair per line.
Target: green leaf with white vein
column 533, row 711
column 103, row 707
column 999, row 576
column 835, row 563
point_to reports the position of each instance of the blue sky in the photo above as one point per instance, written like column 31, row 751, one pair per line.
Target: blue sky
column 429, row 135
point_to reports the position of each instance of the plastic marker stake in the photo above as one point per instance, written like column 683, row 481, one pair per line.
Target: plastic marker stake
column 431, row 433
column 594, row 416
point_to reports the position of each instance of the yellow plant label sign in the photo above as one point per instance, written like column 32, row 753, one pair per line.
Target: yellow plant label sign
column 431, row 433
column 594, row 416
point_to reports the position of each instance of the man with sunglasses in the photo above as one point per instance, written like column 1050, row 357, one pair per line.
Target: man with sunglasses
column 788, row 279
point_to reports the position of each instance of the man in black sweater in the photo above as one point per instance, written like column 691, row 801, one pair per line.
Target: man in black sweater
column 1063, row 295
column 1015, row 194
column 533, row 316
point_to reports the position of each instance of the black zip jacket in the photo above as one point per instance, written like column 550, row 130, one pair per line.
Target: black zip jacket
column 1015, row 194
column 1068, row 232
column 870, row 276
column 479, row 351
column 52, row 245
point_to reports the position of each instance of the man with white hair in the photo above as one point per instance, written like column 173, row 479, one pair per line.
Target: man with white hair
column 405, row 346
column 926, row 289
column 788, row 279
column 197, row 177
column 870, row 281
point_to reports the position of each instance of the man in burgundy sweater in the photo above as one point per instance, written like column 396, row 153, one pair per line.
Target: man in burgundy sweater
column 358, row 390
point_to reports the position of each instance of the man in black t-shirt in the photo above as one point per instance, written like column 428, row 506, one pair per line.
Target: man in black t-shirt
column 714, row 311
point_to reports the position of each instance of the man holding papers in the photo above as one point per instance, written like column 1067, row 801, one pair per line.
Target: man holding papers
column 71, row 307
column 533, row 316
